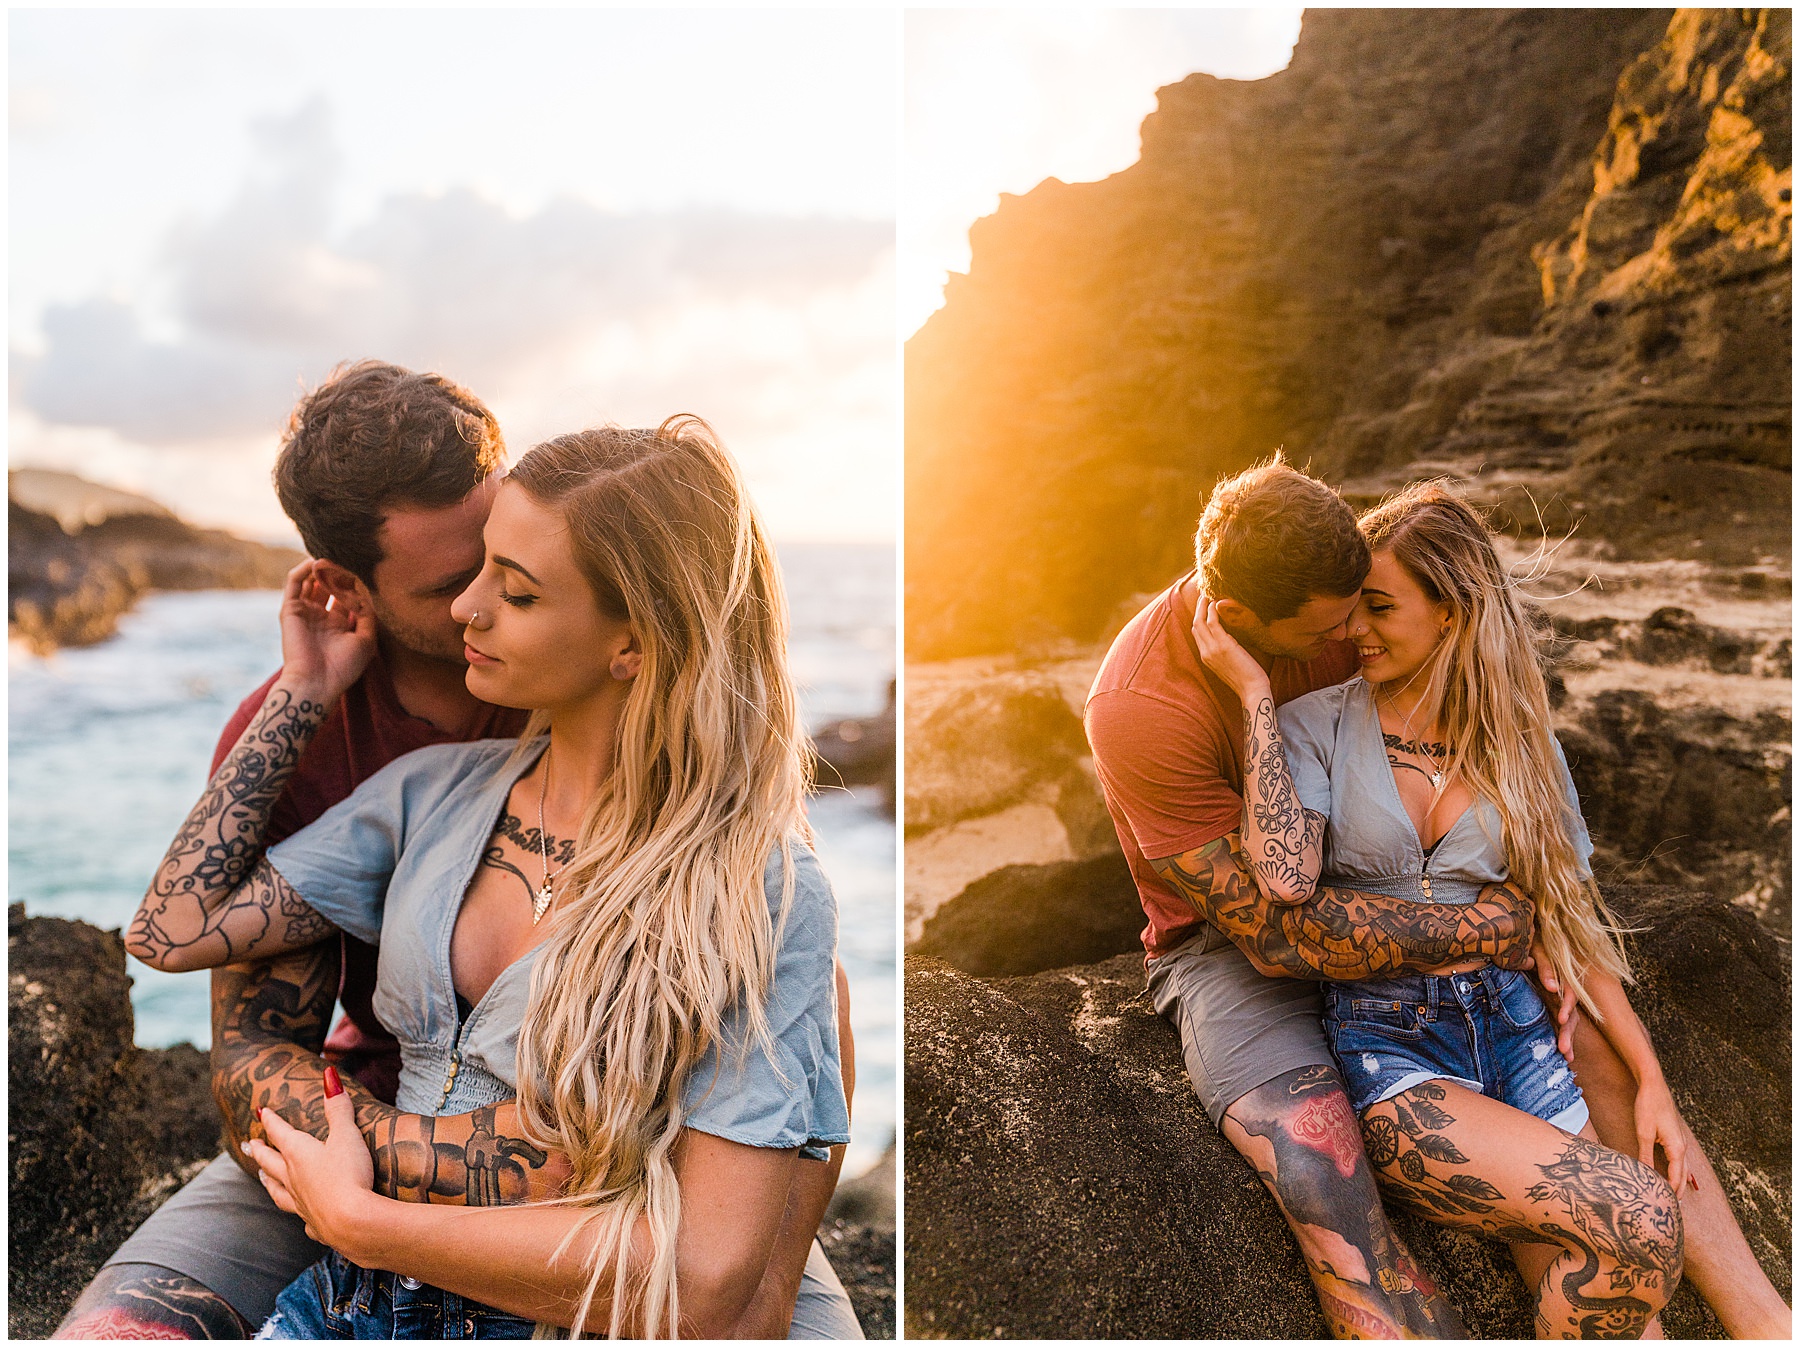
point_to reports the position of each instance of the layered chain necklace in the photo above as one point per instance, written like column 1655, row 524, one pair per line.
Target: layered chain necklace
column 540, row 902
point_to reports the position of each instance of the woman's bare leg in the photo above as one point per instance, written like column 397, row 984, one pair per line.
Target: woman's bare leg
column 1720, row 1264
column 1533, row 1260
column 1464, row 1160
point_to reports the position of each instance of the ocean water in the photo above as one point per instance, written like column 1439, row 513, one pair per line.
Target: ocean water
column 109, row 748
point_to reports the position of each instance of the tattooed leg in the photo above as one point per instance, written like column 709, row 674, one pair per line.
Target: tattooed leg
column 1719, row 1262
column 142, row 1301
column 1299, row 1133
column 1612, row 1223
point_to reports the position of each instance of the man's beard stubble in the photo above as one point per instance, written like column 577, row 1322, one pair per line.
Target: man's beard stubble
column 417, row 641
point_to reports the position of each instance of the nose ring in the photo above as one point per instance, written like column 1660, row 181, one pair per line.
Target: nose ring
column 474, row 617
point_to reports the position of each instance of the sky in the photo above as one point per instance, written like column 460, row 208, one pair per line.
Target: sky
column 583, row 215
column 997, row 100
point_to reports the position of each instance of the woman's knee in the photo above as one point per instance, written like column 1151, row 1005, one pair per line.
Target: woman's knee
column 1622, row 1210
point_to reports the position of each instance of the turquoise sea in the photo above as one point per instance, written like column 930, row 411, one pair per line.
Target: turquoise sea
column 109, row 747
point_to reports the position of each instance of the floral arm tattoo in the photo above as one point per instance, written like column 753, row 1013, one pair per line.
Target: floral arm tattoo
column 1282, row 839
column 269, row 1022
column 1342, row 934
column 214, row 900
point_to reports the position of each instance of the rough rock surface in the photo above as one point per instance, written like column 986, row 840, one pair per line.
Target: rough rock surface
column 99, row 1132
column 1062, row 1180
column 79, row 556
column 978, row 747
column 858, row 1236
column 1545, row 250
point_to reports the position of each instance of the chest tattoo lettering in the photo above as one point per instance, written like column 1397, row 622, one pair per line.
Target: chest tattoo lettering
column 533, row 844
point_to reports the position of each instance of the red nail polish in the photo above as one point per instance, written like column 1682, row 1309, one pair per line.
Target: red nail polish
column 333, row 1086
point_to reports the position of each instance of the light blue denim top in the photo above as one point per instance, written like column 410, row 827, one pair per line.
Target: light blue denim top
column 391, row 864
column 1340, row 770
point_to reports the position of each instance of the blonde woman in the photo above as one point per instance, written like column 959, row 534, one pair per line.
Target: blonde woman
column 617, row 918
column 1434, row 773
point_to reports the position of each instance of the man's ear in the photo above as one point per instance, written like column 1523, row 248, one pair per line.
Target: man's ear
column 628, row 660
column 1237, row 617
column 342, row 584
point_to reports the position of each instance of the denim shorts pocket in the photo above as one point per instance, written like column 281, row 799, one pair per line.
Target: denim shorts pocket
column 1520, row 1005
column 1393, row 1020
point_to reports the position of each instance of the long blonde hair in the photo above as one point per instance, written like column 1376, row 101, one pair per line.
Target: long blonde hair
column 1486, row 691
column 664, row 926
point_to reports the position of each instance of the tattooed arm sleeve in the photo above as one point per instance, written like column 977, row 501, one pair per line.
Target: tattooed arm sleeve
column 1343, row 933
column 269, row 1021
column 1281, row 838
column 214, row 899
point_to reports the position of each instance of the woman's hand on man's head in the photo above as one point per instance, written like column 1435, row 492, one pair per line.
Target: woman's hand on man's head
column 327, row 639
column 1225, row 656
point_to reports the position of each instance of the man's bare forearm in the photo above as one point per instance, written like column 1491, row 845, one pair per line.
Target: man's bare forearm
column 269, row 1024
column 1345, row 934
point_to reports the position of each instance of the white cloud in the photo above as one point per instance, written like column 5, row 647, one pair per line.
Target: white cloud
column 780, row 330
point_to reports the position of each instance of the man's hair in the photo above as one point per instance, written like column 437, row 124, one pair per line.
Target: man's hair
column 374, row 436
column 1272, row 538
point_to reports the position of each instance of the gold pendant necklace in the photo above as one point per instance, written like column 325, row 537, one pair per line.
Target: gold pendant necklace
column 1435, row 772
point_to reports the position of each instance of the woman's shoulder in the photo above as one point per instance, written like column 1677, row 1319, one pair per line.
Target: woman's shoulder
column 813, row 907
column 460, row 753
column 455, row 762
column 437, row 773
column 1322, row 709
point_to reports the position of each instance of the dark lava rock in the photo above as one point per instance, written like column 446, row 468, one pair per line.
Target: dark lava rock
column 1020, row 919
column 1691, row 795
column 858, row 1236
column 1674, row 636
column 98, row 1131
column 860, row 751
column 1063, row 1181
column 864, row 1259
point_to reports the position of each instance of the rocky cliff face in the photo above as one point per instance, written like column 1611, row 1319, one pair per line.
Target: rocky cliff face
column 1543, row 249
column 79, row 556
column 1544, row 253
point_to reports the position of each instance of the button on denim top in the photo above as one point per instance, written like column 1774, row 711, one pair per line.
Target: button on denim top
column 1341, row 770
column 391, row 864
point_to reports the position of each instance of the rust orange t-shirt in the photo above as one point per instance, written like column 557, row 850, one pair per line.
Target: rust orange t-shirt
column 1168, row 741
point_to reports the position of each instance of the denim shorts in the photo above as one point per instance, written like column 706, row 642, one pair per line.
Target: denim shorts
column 336, row 1299
column 1487, row 1030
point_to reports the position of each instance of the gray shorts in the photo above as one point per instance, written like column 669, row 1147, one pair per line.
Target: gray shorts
column 1239, row 1029
column 223, row 1231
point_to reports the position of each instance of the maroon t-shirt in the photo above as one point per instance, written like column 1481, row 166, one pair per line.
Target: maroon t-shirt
column 367, row 730
column 1168, row 741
